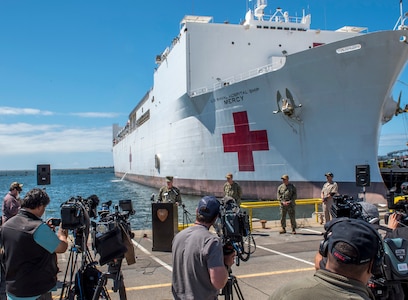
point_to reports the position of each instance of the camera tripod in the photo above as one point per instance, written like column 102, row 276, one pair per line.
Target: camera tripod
column 187, row 217
column 70, row 287
column 115, row 273
column 228, row 291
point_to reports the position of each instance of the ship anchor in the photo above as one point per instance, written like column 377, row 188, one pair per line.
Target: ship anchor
column 286, row 105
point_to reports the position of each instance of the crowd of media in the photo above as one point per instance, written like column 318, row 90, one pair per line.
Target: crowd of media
column 354, row 261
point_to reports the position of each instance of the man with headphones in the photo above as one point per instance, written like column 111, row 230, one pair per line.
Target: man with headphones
column 353, row 249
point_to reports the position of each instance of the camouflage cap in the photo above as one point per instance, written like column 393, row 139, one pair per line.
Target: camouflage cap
column 17, row 186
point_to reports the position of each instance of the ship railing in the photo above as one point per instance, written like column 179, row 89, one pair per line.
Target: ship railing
column 237, row 78
column 282, row 19
column 250, row 205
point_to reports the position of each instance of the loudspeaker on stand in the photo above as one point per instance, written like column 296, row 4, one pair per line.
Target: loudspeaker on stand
column 43, row 174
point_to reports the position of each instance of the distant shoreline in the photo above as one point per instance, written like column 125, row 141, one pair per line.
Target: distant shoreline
column 59, row 169
column 101, row 167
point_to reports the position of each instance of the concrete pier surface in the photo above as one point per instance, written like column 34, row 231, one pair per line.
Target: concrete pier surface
column 278, row 259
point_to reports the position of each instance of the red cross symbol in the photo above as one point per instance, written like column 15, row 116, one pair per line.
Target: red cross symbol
column 244, row 141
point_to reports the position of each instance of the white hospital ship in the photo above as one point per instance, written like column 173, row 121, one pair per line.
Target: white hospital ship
column 266, row 97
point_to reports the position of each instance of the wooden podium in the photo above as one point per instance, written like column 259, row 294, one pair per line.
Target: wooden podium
column 164, row 225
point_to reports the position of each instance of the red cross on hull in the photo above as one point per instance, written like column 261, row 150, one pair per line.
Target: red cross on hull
column 244, row 142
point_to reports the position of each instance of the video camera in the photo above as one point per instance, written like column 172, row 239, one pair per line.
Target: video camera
column 233, row 228
column 75, row 215
column 112, row 231
column 346, row 206
column 391, row 272
column 75, row 212
column 401, row 208
column 111, row 234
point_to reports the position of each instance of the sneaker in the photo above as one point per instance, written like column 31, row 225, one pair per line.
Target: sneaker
column 283, row 230
column 293, row 231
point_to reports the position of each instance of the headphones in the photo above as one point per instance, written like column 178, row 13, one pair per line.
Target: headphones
column 324, row 245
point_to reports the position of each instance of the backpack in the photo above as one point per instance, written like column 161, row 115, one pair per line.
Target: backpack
column 86, row 281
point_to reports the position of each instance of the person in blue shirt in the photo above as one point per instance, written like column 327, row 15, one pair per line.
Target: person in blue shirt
column 30, row 249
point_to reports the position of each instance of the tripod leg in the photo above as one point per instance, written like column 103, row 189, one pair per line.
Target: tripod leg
column 119, row 284
column 227, row 290
column 116, row 274
column 237, row 289
column 122, row 289
column 66, row 290
column 105, row 294
column 100, row 288
column 62, row 296
column 230, row 287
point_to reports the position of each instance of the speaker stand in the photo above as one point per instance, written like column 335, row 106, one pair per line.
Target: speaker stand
column 364, row 194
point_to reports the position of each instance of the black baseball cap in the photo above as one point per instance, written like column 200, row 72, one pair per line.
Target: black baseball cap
column 208, row 207
column 359, row 234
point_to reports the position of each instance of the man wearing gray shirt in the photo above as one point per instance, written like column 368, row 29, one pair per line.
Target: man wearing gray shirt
column 199, row 264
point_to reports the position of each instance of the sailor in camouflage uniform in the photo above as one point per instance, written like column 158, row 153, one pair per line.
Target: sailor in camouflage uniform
column 169, row 193
column 232, row 189
column 287, row 195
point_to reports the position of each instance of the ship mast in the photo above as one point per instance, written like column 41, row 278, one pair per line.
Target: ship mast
column 259, row 10
column 401, row 19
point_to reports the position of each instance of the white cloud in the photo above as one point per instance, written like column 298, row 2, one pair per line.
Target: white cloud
column 15, row 111
column 25, row 139
column 20, row 128
column 392, row 142
column 95, row 115
column 388, row 140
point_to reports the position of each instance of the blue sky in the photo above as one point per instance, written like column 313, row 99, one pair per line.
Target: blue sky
column 70, row 69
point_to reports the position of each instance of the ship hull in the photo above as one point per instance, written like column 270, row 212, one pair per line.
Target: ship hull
column 338, row 92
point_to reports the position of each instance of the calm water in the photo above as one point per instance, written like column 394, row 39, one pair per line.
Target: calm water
column 102, row 182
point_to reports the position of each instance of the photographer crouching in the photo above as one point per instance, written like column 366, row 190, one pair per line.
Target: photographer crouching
column 200, row 268
column 30, row 246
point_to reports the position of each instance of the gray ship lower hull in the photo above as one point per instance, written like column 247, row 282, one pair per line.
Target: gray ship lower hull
column 263, row 190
